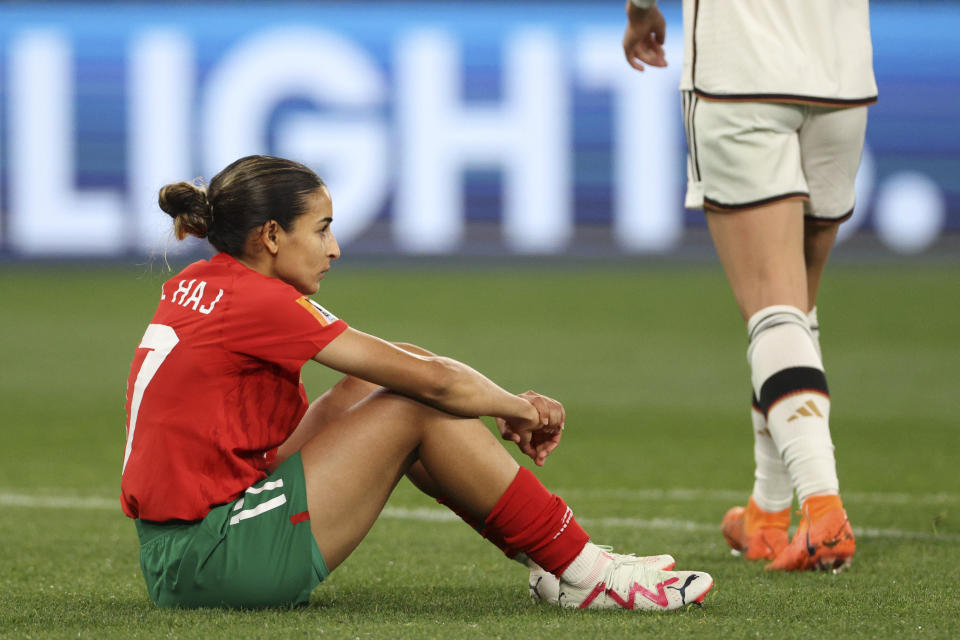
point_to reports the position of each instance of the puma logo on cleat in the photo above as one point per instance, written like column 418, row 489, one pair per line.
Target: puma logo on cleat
column 806, row 410
column 535, row 588
column 683, row 589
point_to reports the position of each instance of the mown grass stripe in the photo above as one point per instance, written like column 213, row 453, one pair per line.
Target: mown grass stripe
column 424, row 514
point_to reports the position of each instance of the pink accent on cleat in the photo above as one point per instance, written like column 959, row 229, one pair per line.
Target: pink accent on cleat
column 597, row 590
column 659, row 598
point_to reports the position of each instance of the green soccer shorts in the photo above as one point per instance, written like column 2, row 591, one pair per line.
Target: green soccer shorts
column 257, row 551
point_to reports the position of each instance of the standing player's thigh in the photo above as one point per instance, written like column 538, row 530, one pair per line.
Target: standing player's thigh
column 831, row 143
column 748, row 153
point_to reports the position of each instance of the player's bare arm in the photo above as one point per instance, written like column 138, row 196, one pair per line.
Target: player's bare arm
column 644, row 36
column 350, row 390
column 543, row 441
column 451, row 386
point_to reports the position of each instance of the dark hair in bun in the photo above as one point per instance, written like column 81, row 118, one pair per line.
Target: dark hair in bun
column 246, row 195
column 187, row 205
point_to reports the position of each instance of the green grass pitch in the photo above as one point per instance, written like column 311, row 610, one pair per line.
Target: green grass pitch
column 649, row 362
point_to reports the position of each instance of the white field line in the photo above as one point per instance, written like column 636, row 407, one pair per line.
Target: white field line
column 735, row 497
column 427, row 514
column 56, row 502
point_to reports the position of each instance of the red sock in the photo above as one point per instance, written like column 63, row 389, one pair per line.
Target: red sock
column 529, row 518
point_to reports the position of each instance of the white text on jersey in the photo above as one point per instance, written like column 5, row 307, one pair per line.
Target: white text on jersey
column 191, row 296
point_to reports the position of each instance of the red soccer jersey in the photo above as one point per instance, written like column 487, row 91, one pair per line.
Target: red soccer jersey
column 214, row 387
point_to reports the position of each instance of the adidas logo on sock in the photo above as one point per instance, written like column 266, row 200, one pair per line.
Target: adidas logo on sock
column 806, row 410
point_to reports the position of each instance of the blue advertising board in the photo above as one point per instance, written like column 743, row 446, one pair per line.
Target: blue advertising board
column 425, row 119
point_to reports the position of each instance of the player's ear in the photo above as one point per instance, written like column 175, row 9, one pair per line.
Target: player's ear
column 270, row 237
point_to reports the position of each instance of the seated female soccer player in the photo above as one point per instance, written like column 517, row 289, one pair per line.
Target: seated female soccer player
column 245, row 496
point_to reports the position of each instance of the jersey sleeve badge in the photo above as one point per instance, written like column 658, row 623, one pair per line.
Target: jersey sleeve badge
column 321, row 315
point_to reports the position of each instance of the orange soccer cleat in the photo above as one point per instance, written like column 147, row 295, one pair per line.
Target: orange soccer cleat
column 757, row 534
column 824, row 538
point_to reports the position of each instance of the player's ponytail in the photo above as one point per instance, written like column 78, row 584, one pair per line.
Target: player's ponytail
column 187, row 205
column 243, row 197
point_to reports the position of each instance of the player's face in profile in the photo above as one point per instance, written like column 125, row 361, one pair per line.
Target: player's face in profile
column 307, row 250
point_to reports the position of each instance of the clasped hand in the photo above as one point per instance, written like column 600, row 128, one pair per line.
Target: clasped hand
column 536, row 438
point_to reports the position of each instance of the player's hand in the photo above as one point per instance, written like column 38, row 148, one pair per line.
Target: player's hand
column 644, row 37
column 539, row 438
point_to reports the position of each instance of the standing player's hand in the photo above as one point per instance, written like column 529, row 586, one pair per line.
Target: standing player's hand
column 536, row 439
column 644, row 37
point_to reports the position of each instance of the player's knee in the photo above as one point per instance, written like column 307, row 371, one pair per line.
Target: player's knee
column 407, row 409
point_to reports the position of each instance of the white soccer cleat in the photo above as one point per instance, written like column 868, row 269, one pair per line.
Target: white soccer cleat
column 627, row 583
column 545, row 587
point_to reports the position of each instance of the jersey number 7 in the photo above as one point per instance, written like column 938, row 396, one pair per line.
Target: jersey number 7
column 160, row 340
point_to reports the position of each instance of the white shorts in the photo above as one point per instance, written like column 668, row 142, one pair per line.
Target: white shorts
column 747, row 154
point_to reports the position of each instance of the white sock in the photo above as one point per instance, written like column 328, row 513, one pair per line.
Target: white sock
column 814, row 323
column 772, row 486
column 788, row 380
column 587, row 568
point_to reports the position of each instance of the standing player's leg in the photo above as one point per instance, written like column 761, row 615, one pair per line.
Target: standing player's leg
column 818, row 239
column 740, row 157
column 353, row 463
column 754, row 187
column 761, row 250
column 787, row 372
column 769, row 505
column 831, row 143
column 819, row 236
column 824, row 526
